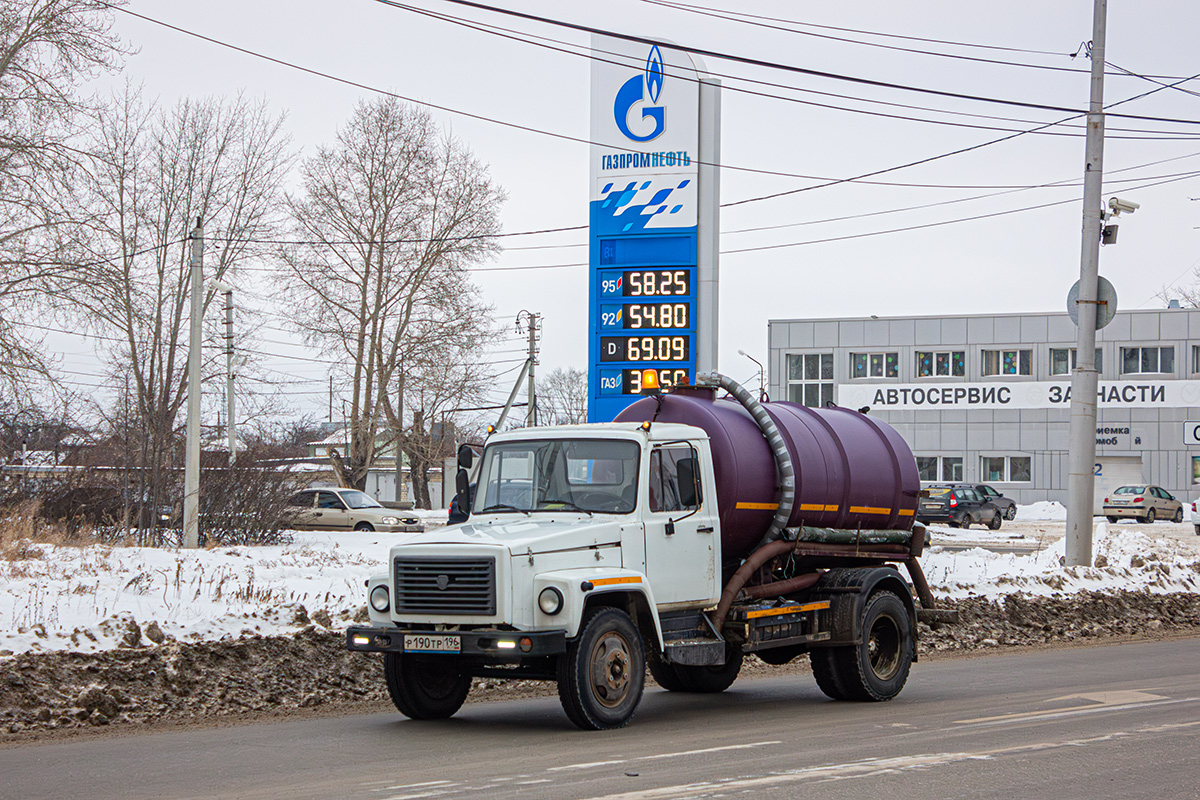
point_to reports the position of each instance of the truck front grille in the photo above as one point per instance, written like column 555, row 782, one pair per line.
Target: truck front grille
column 445, row 585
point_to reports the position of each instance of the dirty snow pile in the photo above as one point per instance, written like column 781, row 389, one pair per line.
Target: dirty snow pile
column 1124, row 559
column 97, row 598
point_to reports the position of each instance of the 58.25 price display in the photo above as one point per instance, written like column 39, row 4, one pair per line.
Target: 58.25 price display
column 645, row 348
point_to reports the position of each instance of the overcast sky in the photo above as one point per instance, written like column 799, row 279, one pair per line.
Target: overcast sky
column 1015, row 262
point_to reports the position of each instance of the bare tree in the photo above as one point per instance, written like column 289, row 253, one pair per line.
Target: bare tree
column 562, row 396
column 397, row 211
column 47, row 48
column 156, row 173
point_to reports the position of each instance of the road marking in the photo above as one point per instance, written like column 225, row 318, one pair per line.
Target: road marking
column 1101, row 702
column 870, row 767
column 681, row 753
column 588, row 765
column 709, row 750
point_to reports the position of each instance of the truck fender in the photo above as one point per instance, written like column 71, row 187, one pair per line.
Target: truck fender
column 848, row 591
column 583, row 589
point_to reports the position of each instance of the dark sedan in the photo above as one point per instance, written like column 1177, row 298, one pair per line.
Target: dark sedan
column 958, row 507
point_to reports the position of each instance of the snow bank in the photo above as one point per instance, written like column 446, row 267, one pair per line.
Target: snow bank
column 97, row 598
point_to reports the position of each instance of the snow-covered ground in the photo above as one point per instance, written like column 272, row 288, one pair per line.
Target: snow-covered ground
column 94, row 598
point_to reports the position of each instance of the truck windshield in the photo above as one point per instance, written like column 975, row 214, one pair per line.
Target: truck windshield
column 589, row 475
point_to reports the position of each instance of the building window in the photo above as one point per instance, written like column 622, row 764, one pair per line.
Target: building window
column 874, row 365
column 1139, row 360
column 1061, row 363
column 1007, row 362
column 951, row 364
column 1195, row 469
column 1195, row 358
column 940, row 468
column 810, row 379
column 1007, row 469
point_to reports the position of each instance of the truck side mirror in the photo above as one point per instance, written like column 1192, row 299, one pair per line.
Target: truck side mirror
column 466, row 456
column 462, row 482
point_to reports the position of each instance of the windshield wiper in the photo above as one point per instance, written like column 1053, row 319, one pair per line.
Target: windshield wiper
column 503, row 507
column 566, row 503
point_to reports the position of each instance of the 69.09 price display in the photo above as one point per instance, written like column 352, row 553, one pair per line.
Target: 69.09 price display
column 645, row 348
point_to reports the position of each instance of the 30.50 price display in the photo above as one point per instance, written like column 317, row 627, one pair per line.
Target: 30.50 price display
column 633, row 380
column 645, row 348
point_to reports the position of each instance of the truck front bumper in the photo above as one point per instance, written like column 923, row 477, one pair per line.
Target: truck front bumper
column 491, row 644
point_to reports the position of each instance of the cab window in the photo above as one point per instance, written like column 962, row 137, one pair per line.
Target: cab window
column 674, row 480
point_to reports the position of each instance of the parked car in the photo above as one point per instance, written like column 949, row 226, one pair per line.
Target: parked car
column 1007, row 506
column 1146, row 503
column 332, row 509
column 1196, row 519
column 960, row 506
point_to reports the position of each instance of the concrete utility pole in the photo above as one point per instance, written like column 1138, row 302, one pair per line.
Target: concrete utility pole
column 531, row 408
column 191, row 475
column 1082, row 453
column 230, row 400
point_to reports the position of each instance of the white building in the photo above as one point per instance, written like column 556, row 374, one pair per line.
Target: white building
column 986, row 398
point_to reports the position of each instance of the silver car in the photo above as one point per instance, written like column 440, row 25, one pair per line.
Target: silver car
column 1146, row 503
column 331, row 509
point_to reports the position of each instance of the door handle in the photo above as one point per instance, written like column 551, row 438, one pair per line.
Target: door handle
column 705, row 529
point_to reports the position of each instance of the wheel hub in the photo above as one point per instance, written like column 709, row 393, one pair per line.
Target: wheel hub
column 610, row 669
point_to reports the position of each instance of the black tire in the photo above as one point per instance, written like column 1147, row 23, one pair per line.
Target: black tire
column 603, row 672
column 1113, row 520
column 1178, row 516
column 1010, row 513
column 1151, row 515
column 425, row 687
column 995, row 522
column 711, row 680
column 664, row 674
column 827, row 671
column 365, row 527
column 877, row 668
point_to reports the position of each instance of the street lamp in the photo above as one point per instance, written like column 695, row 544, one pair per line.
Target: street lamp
column 762, row 390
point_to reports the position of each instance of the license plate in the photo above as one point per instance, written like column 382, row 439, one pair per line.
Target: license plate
column 421, row 643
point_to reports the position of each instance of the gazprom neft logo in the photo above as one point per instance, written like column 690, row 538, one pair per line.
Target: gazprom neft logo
column 634, row 91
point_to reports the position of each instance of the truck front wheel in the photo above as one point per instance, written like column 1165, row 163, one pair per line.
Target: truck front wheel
column 603, row 672
column 876, row 668
column 425, row 687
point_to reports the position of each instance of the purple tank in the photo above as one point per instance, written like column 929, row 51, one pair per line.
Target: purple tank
column 852, row 471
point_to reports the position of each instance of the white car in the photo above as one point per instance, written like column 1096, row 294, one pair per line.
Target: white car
column 332, row 509
column 1143, row 502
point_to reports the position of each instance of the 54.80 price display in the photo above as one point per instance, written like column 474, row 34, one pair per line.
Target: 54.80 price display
column 644, row 348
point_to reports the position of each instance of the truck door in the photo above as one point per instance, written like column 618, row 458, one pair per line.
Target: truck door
column 681, row 543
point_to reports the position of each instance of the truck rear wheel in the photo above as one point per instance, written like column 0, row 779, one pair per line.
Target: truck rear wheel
column 877, row 668
column 603, row 672
column 425, row 687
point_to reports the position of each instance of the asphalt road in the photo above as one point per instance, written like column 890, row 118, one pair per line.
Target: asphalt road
column 1115, row 721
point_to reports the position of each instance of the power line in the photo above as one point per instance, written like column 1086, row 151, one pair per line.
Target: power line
column 573, row 50
column 755, row 62
column 826, row 182
column 762, row 21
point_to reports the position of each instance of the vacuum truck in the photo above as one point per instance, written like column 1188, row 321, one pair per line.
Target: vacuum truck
column 687, row 534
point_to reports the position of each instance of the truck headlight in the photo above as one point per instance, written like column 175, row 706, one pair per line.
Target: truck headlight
column 550, row 601
column 379, row 598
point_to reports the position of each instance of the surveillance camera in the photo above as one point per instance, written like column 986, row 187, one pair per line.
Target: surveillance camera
column 1120, row 206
